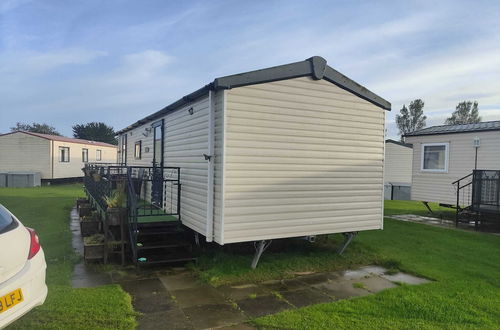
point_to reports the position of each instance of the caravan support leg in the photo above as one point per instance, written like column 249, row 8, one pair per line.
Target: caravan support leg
column 260, row 247
column 348, row 238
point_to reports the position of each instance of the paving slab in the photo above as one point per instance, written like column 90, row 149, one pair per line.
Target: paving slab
column 149, row 296
column 241, row 326
column 203, row 295
column 214, row 316
column 243, row 291
column 406, row 278
column 285, row 285
column 374, row 270
column 180, row 282
column 85, row 276
column 355, row 274
column 305, row 297
column 262, row 306
column 317, row 278
column 169, row 320
column 376, row 284
column 341, row 289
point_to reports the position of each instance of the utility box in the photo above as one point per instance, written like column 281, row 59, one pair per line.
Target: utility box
column 23, row 179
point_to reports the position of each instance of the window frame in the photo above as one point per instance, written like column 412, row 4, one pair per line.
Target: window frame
column 61, row 159
column 138, row 144
column 446, row 157
column 85, row 152
column 98, row 155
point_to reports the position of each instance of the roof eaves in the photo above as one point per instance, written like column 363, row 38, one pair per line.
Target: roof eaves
column 451, row 132
column 407, row 145
column 350, row 85
column 315, row 67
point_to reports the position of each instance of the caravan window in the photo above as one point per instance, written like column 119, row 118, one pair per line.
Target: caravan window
column 85, row 155
column 63, row 154
column 435, row 157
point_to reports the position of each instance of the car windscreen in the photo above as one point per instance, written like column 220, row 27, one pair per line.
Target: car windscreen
column 6, row 221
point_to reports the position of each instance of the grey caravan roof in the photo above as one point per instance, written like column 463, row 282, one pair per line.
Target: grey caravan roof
column 314, row 67
column 407, row 145
column 453, row 129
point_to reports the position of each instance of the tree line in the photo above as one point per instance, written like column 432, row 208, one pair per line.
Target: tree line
column 94, row 131
column 412, row 118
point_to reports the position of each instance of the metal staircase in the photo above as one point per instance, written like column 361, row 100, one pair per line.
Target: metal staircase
column 157, row 235
column 154, row 231
column 478, row 197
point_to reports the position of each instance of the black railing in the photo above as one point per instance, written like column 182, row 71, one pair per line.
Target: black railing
column 486, row 191
column 156, row 190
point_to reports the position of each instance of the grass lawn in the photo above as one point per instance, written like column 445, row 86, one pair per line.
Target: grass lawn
column 465, row 294
column 46, row 209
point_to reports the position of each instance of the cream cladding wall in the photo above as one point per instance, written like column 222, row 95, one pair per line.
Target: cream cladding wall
column 185, row 142
column 73, row 168
column 24, row 152
column 398, row 163
column 437, row 187
column 302, row 157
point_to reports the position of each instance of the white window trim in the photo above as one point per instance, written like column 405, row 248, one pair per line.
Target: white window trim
column 446, row 158
column 98, row 155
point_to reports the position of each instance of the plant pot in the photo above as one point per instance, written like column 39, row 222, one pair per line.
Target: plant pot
column 89, row 228
column 115, row 215
column 93, row 251
column 84, row 210
column 81, row 201
column 97, row 177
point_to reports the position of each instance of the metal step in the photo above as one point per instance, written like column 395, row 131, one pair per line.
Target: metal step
column 165, row 245
column 164, row 258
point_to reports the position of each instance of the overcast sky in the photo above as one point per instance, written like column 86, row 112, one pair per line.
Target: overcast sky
column 66, row 62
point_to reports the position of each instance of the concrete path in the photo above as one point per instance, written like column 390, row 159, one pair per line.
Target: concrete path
column 84, row 276
column 180, row 301
column 172, row 298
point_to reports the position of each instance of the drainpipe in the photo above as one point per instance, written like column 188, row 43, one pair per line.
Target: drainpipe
column 211, row 164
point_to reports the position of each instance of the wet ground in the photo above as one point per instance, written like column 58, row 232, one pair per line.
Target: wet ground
column 444, row 222
column 173, row 298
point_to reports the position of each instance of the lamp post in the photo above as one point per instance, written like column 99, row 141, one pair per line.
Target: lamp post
column 477, row 144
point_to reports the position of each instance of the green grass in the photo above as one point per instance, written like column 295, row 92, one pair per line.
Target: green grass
column 412, row 207
column 465, row 294
column 46, row 209
column 283, row 259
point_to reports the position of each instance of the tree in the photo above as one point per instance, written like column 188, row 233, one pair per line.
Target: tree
column 35, row 128
column 466, row 112
column 95, row 132
column 412, row 118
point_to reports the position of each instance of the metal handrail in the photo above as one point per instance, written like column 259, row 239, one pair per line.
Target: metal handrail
column 465, row 177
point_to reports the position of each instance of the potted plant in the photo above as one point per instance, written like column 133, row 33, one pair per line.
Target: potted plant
column 93, row 247
column 116, row 202
column 97, row 177
column 85, row 209
column 81, row 201
column 89, row 224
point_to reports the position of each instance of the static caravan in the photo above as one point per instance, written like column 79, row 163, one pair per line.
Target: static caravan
column 288, row 151
column 397, row 170
column 52, row 156
column 444, row 154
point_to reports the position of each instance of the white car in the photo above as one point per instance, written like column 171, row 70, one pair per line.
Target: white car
column 22, row 269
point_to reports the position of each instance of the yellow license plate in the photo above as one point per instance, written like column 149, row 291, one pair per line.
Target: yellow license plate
column 10, row 300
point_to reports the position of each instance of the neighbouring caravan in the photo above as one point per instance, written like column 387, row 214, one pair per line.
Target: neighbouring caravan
column 288, row 151
column 397, row 170
column 442, row 155
column 52, row 156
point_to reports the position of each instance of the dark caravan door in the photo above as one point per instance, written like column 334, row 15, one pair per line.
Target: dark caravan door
column 157, row 175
